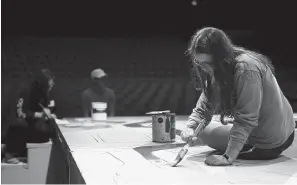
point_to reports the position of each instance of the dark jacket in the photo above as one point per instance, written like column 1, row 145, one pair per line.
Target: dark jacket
column 29, row 102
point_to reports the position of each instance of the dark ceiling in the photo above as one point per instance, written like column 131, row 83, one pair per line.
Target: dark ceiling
column 142, row 17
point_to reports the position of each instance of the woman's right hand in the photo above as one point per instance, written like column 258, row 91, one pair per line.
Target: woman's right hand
column 187, row 134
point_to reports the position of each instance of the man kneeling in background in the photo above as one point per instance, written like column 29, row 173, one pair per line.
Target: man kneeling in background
column 98, row 92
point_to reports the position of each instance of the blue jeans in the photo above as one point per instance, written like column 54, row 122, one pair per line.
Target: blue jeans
column 265, row 154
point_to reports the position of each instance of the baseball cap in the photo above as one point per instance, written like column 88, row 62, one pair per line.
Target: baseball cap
column 98, row 73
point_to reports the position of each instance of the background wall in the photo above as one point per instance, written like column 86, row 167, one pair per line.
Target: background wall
column 140, row 44
column 146, row 74
column 76, row 57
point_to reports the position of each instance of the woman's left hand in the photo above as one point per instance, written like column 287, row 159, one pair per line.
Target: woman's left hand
column 217, row 160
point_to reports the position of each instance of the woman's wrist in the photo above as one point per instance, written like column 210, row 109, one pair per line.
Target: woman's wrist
column 228, row 158
column 231, row 154
column 192, row 124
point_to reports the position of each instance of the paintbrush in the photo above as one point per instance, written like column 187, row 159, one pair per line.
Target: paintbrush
column 185, row 149
column 43, row 109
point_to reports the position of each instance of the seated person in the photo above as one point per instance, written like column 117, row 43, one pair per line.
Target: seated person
column 33, row 118
column 98, row 92
column 239, row 83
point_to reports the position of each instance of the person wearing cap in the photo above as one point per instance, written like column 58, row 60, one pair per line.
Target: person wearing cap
column 98, row 92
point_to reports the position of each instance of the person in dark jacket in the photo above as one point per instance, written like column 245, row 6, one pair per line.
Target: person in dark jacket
column 34, row 116
column 98, row 92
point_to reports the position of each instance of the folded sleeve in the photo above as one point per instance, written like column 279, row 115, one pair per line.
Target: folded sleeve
column 205, row 107
column 249, row 92
column 202, row 113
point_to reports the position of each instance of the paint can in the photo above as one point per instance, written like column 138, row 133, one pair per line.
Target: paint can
column 99, row 111
column 163, row 126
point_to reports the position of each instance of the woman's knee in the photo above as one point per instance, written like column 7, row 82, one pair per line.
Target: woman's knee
column 44, row 126
column 38, row 136
column 216, row 135
column 43, row 131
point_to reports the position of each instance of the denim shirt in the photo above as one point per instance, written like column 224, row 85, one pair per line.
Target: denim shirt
column 263, row 116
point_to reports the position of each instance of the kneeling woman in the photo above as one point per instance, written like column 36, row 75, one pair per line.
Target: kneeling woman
column 237, row 83
column 34, row 122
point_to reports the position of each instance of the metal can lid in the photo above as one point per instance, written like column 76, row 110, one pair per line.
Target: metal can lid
column 158, row 112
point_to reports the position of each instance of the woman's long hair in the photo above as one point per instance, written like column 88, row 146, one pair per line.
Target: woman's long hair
column 40, row 83
column 216, row 43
